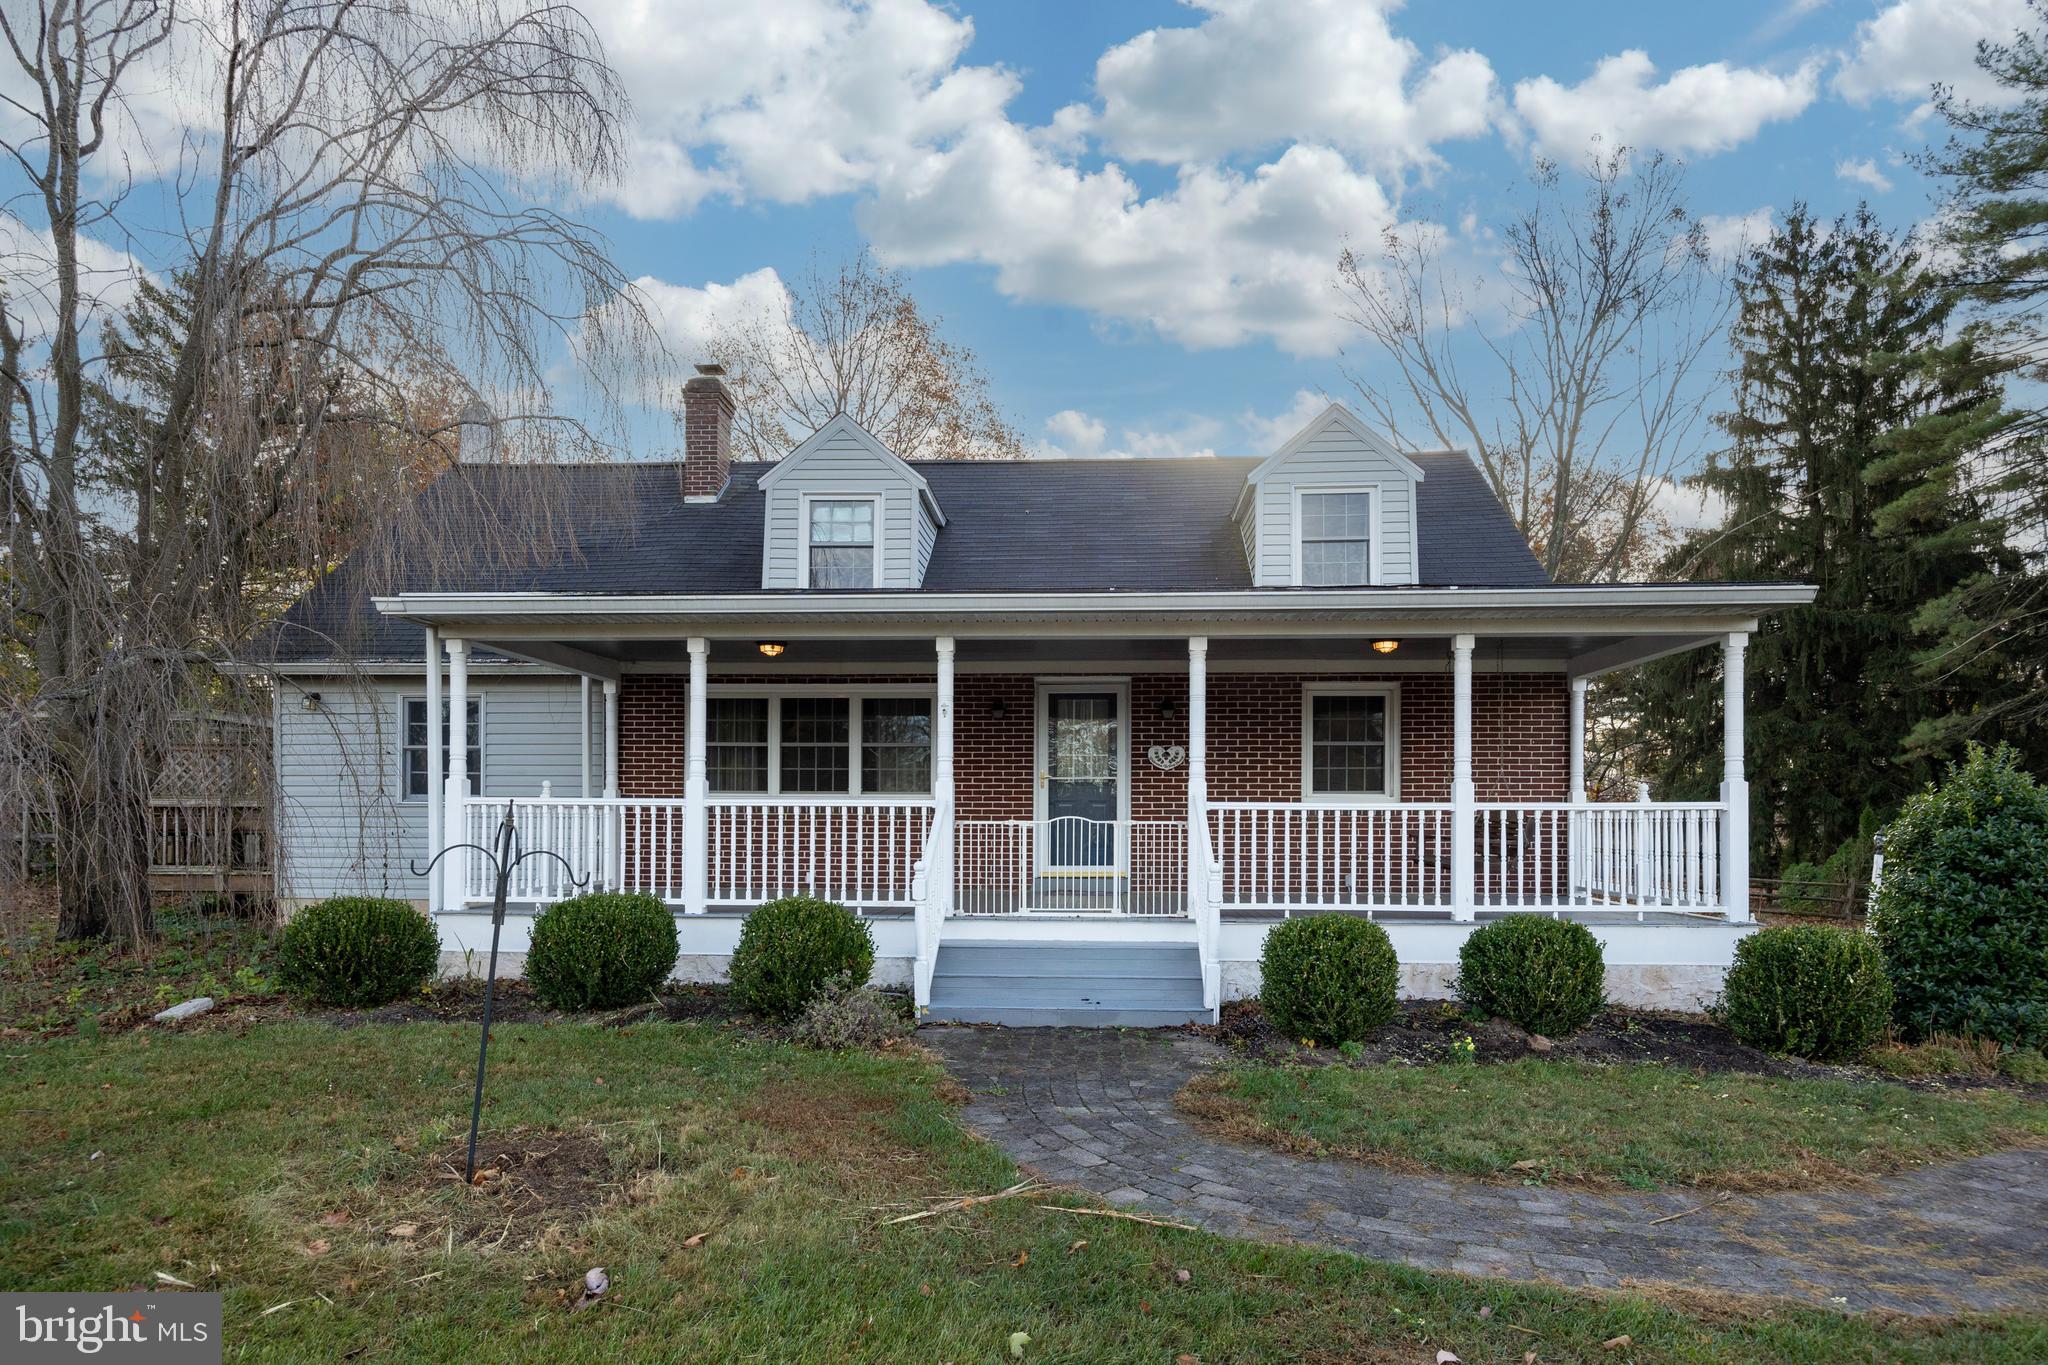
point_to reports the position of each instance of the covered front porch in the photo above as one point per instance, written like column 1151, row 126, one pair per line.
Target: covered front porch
column 1076, row 773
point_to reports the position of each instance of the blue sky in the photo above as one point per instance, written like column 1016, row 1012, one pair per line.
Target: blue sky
column 1133, row 211
column 1387, row 112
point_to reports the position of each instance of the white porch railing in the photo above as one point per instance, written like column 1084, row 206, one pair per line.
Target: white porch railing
column 625, row 844
column 1286, row 855
column 1542, row 856
column 1071, row 866
column 861, row 852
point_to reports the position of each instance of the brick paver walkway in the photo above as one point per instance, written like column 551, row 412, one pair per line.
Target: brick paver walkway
column 1094, row 1108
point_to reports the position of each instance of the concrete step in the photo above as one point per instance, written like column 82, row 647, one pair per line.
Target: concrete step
column 1057, row 1017
column 1090, row 984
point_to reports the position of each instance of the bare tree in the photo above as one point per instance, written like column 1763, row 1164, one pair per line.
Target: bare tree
column 854, row 340
column 347, row 218
column 1587, row 395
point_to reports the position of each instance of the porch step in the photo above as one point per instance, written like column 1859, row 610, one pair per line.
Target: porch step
column 1066, row 985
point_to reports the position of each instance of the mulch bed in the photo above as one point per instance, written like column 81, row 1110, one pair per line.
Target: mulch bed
column 460, row 1000
column 1423, row 1033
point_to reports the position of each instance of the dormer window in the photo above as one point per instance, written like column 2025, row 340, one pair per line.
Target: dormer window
column 840, row 549
column 1336, row 541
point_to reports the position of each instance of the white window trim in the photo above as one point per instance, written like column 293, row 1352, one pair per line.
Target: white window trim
column 774, row 694
column 1309, row 692
column 1376, row 501
column 483, row 748
column 803, row 558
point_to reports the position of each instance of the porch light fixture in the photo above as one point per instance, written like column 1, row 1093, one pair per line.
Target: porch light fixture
column 1168, row 708
column 311, row 701
column 999, row 708
column 1386, row 646
column 772, row 648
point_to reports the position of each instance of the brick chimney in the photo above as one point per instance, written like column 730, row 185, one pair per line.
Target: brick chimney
column 707, row 434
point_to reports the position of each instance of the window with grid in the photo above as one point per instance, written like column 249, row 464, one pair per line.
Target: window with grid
column 413, row 752
column 843, row 543
column 736, row 744
column 896, row 745
column 1347, row 745
column 1336, row 540
column 815, row 743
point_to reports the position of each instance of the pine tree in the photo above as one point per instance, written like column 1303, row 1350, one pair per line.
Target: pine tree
column 1834, row 330
column 1996, row 230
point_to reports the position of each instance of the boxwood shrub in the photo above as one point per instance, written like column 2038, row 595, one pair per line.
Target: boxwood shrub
column 1808, row 990
column 1328, row 978
column 1962, row 908
column 790, row 948
column 357, row 950
column 601, row 950
column 1544, row 975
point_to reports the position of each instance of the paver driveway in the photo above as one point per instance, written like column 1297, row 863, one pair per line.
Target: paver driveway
column 1094, row 1108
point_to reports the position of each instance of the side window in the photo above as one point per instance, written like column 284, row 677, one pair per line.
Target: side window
column 736, row 744
column 1349, row 745
column 413, row 746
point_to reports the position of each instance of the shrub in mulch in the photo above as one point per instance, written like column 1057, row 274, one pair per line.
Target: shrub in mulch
column 1809, row 990
column 790, row 948
column 1330, row 978
column 1542, row 974
column 357, row 950
column 1961, row 912
column 601, row 950
column 846, row 1016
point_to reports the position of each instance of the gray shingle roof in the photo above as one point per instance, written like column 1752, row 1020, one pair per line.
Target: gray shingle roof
column 1011, row 526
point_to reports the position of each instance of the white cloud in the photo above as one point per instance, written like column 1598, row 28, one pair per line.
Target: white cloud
column 786, row 100
column 1267, row 434
column 1074, row 435
column 1686, row 507
column 1255, row 75
column 108, row 277
column 1914, row 44
column 690, row 319
column 1221, row 259
column 1863, row 171
column 1730, row 234
column 1698, row 110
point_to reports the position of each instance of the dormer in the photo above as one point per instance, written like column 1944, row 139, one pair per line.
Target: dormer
column 844, row 512
column 1334, row 507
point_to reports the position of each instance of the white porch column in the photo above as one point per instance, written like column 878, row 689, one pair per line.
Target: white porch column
column 1200, row 902
column 695, row 845
column 455, row 868
column 1734, row 782
column 1462, row 791
column 1578, row 778
column 614, row 820
column 437, row 795
column 939, row 860
column 583, row 727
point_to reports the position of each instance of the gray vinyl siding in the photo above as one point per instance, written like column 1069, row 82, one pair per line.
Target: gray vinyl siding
column 343, row 827
column 927, row 538
column 843, row 465
column 1335, row 459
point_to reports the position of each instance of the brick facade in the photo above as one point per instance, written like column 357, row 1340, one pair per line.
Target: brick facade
column 1519, row 736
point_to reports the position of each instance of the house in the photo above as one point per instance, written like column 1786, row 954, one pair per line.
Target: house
column 1074, row 734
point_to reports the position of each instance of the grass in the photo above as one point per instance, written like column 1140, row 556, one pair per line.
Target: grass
column 1950, row 1056
column 49, row 986
column 1641, row 1126
column 272, row 1165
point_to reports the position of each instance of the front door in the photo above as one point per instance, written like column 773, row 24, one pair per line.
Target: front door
column 1081, row 736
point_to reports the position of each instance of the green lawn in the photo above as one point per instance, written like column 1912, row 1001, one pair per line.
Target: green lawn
column 1641, row 1126
column 273, row 1164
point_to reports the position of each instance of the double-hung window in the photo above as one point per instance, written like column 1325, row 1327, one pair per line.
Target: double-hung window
column 413, row 748
column 841, row 542
column 1350, row 744
column 818, row 745
column 1336, row 539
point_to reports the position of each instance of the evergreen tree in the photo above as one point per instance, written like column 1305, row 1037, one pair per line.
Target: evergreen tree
column 1834, row 328
column 1996, row 229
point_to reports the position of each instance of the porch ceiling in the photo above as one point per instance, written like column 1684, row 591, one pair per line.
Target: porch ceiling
column 1575, row 654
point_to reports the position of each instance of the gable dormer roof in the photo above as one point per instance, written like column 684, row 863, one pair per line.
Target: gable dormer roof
column 840, row 429
column 1335, row 415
